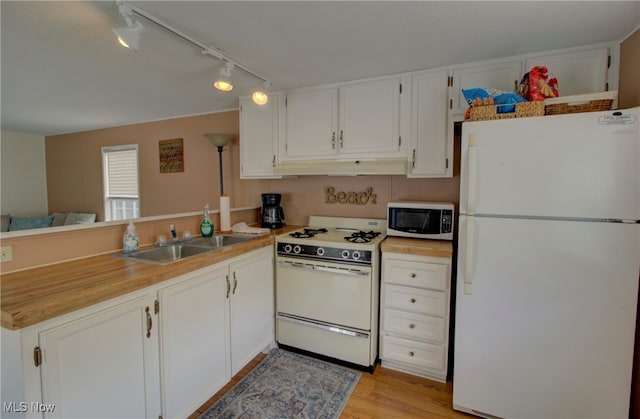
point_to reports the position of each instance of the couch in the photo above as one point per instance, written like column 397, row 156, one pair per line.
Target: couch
column 15, row 223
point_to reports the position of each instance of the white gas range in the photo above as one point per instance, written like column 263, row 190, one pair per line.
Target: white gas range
column 327, row 288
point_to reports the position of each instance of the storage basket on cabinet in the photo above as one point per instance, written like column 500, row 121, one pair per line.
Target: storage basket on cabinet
column 592, row 102
column 523, row 110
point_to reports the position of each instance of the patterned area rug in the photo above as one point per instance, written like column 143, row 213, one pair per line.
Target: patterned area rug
column 288, row 385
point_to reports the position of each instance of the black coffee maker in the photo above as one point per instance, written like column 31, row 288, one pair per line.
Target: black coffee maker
column 272, row 215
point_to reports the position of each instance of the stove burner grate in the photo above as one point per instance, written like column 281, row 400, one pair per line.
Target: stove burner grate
column 307, row 233
column 362, row 236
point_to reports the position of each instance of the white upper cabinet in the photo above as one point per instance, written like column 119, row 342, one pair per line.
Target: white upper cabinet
column 311, row 124
column 503, row 75
column 259, row 130
column 370, row 118
column 577, row 72
column 355, row 120
column 431, row 146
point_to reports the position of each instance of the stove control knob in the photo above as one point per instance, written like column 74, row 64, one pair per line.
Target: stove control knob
column 287, row 248
column 297, row 249
column 345, row 254
column 356, row 255
column 320, row 251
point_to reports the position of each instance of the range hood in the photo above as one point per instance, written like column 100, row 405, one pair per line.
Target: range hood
column 388, row 166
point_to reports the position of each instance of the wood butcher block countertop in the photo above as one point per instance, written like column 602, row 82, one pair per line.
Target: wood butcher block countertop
column 34, row 295
column 419, row 247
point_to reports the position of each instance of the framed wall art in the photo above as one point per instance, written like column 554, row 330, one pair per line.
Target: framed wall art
column 171, row 155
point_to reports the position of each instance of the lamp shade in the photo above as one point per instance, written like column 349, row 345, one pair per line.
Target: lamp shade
column 219, row 140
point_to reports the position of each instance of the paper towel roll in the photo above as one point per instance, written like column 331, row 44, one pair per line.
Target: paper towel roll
column 225, row 215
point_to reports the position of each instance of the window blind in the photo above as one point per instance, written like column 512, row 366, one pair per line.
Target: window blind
column 122, row 172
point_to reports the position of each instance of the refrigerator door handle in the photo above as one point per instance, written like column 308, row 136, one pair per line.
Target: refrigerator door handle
column 469, row 253
column 472, row 162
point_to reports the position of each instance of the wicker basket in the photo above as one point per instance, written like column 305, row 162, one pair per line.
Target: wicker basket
column 592, row 102
column 523, row 110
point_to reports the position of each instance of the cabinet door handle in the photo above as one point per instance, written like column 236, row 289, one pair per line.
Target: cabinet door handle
column 333, row 140
column 228, row 285
column 413, row 300
column 235, row 283
column 411, row 353
column 412, row 326
column 149, row 322
column 341, row 140
column 413, row 275
column 413, row 162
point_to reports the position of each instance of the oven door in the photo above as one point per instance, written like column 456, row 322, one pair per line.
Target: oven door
column 322, row 291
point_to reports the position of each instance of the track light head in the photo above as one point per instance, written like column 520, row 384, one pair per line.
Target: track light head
column 260, row 96
column 223, row 82
column 129, row 36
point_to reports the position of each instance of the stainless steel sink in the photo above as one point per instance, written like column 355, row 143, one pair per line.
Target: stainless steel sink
column 220, row 240
column 178, row 251
column 166, row 254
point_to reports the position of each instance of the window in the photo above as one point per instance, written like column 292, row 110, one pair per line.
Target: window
column 120, row 173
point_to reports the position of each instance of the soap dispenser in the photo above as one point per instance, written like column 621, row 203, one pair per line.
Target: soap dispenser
column 130, row 240
column 206, row 227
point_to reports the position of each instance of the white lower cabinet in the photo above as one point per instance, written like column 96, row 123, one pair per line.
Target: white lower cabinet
column 194, row 341
column 414, row 314
column 252, row 308
column 158, row 352
column 101, row 365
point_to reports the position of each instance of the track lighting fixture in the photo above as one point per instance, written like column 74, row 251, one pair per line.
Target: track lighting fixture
column 224, row 81
column 129, row 36
column 260, row 96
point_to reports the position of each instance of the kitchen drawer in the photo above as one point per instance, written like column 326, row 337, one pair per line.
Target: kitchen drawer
column 412, row 352
column 413, row 325
column 416, row 300
column 416, row 274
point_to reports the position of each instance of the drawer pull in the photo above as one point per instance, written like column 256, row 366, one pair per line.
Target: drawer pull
column 413, row 300
column 411, row 353
column 413, row 275
column 412, row 326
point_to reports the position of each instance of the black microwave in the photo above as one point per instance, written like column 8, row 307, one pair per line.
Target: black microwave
column 423, row 220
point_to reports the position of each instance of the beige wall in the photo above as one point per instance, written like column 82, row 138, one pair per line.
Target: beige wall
column 74, row 167
column 22, row 172
column 629, row 87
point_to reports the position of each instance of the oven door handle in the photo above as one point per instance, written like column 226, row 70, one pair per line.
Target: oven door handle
column 328, row 328
column 340, row 271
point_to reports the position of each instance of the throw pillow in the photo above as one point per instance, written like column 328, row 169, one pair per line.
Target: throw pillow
column 25, row 223
column 58, row 219
column 79, row 218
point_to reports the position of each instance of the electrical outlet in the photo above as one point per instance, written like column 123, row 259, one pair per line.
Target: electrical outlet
column 6, row 254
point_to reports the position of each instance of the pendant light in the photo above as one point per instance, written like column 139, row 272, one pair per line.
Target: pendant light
column 223, row 82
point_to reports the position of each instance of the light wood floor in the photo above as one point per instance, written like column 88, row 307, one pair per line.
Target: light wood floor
column 384, row 394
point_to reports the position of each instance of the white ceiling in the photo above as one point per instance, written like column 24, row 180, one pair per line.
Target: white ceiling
column 62, row 70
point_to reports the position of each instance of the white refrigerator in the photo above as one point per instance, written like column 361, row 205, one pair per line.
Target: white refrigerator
column 548, row 266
